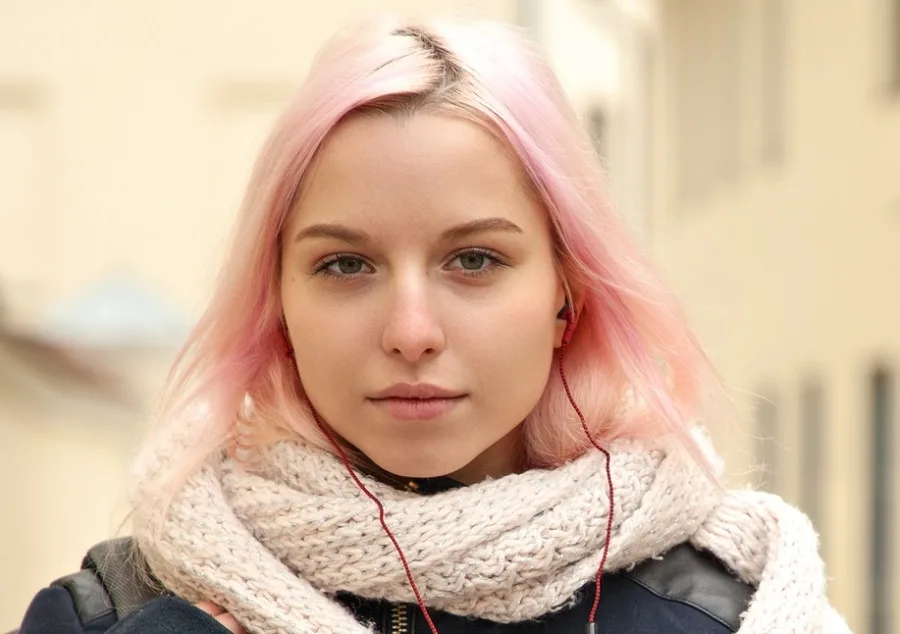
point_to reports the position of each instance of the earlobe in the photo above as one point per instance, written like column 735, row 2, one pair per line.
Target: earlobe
column 560, row 333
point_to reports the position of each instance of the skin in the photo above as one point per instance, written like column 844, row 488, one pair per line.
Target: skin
column 381, row 284
column 223, row 617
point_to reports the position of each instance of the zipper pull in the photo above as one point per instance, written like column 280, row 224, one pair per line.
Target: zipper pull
column 591, row 629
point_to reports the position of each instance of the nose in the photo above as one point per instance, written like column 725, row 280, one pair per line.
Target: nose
column 413, row 330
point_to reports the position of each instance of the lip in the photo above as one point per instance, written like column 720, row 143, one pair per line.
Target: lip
column 417, row 409
column 421, row 391
column 416, row 401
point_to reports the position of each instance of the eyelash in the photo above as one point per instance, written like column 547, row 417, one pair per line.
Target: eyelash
column 495, row 262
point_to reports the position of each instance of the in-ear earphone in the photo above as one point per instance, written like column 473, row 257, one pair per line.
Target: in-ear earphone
column 568, row 314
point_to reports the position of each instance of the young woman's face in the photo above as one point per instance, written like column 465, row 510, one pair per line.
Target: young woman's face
column 420, row 295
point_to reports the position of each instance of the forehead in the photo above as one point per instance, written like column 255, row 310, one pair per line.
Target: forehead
column 424, row 168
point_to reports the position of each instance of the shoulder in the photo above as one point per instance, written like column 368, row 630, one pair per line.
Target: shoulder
column 695, row 584
column 53, row 611
column 167, row 615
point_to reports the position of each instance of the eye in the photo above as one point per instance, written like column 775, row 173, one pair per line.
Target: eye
column 476, row 262
column 343, row 266
column 473, row 260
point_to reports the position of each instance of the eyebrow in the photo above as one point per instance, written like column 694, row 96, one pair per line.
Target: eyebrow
column 338, row 232
column 357, row 236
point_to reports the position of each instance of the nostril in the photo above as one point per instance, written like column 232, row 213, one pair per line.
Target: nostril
column 424, row 352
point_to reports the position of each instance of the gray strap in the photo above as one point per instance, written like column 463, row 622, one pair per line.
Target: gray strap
column 124, row 574
column 89, row 597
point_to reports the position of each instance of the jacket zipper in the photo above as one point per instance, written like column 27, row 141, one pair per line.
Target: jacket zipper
column 399, row 619
column 400, row 613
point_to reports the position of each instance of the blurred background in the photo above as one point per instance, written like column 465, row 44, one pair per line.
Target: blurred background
column 754, row 145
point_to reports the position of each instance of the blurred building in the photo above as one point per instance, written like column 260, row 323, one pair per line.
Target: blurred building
column 777, row 214
column 751, row 142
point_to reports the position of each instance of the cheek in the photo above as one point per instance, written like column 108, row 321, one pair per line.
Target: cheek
column 329, row 376
column 516, row 348
column 327, row 350
column 321, row 352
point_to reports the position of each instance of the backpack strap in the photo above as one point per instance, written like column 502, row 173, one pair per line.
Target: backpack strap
column 89, row 597
column 124, row 574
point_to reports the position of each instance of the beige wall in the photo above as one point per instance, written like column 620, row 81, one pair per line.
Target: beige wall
column 788, row 265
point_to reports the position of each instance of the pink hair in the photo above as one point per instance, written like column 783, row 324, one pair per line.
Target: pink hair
column 634, row 366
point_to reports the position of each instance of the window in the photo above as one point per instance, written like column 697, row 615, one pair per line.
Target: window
column 528, row 14
column 814, row 431
column 729, row 82
column 894, row 48
column 597, row 126
column 26, row 155
column 772, row 79
column 767, row 436
column 881, row 393
column 707, row 81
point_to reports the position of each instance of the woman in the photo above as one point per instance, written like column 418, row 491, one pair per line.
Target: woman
column 439, row 389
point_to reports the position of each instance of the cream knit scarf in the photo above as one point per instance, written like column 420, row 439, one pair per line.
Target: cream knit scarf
column 271, row 546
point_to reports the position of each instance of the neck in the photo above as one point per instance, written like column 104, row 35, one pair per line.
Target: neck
column 504, row 457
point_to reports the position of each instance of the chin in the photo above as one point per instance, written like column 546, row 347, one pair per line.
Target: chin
column 421, row 468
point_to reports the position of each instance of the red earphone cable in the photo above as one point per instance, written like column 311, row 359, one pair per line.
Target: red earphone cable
column 609, row 521
column 371, row 496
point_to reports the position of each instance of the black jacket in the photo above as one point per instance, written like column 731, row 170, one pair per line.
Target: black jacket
column 685, row 591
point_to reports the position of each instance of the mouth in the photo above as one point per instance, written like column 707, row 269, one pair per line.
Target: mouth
column 416, row 401
column 417, row 409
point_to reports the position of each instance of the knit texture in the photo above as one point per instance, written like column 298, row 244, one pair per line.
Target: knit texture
column 273, row 544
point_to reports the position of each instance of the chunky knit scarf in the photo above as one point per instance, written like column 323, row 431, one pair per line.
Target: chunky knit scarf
column 273, row 545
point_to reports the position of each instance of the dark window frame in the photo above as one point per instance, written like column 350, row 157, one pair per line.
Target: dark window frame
column 814, row 435
column 893, row 48
column 768, row 419
column 597, row 121
column 883, row 413
column 774, row 29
